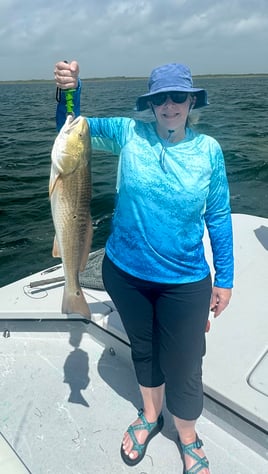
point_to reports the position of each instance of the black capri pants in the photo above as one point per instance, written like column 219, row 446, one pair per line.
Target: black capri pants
column 165, row 324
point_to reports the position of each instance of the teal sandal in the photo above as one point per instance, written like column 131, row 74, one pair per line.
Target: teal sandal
column 200, row 464
column 152, row 428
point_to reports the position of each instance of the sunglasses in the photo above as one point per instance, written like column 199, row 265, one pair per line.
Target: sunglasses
column 177, row 97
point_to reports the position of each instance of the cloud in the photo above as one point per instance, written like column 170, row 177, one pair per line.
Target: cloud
column 129, row 37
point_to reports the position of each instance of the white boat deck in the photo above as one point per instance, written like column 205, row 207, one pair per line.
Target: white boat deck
column 68, row 389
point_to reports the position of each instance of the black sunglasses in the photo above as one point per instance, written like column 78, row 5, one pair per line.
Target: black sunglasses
column 176, row 96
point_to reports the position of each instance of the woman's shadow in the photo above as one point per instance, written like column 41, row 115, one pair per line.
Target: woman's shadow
column 118, row 372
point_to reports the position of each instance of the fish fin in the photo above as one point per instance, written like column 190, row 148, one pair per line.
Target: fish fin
column 52, row 185
column 87, row 246
column 56, row 250
column 75, row 303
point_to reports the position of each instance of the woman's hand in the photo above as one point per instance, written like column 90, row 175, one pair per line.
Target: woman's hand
column 219, row 299
column 66, row 75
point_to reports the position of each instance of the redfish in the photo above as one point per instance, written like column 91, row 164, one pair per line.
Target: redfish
column 70, row 194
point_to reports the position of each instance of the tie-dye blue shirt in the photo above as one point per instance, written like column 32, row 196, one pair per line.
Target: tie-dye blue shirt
column 159, row 217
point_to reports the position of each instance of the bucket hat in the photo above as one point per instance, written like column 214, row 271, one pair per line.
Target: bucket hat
column 171, row 77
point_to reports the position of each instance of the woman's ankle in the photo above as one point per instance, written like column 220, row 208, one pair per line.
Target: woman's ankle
column 186, row 430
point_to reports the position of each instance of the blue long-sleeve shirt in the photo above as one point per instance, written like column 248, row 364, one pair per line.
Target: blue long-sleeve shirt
column 159, row 218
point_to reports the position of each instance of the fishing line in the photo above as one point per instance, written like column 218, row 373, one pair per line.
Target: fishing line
column 35, row 293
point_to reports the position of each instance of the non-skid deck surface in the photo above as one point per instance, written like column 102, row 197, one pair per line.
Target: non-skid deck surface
column 236, row 363
column 68, row 392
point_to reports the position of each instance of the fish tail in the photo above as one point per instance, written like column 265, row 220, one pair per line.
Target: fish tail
column 75, row 303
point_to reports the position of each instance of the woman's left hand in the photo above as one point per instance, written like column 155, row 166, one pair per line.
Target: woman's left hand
column 219, row 299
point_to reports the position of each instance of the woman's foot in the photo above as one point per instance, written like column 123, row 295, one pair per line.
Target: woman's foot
column 193, row 457
column 137, row 437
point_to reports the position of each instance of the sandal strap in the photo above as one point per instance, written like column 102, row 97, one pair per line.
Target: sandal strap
column 200, row 462
column 198, row 466
column 189, row 447
column 145, row 425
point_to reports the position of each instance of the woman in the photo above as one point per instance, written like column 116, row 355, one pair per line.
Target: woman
column 171, row 183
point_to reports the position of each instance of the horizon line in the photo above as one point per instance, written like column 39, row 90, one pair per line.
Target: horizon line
column 138, row 77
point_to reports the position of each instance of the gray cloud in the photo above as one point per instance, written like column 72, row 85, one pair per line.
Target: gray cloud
column 130, row 37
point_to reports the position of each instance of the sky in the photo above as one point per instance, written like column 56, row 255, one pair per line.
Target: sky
column 131, row 37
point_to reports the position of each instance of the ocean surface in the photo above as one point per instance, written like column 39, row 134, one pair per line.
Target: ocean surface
column 237, row 117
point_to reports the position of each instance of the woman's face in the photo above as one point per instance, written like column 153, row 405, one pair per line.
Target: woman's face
column 171, row 115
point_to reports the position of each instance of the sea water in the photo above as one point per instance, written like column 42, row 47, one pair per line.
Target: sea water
column 236, row 117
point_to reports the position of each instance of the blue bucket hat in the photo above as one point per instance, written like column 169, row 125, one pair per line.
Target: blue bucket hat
column 171, row 77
